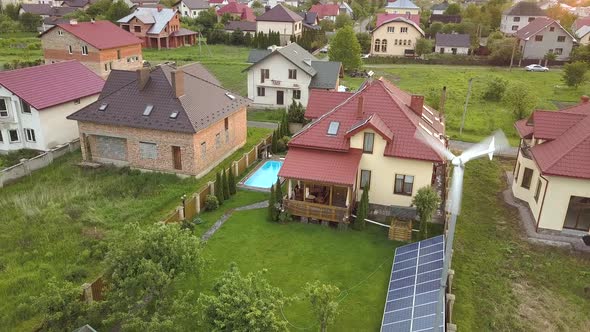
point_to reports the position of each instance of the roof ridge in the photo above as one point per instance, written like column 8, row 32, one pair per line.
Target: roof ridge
column 216, row 85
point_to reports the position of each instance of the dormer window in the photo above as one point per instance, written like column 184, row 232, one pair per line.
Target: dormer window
column 148, row 110
column 333, row 128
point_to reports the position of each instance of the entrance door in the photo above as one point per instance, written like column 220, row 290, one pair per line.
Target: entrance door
column 280, row 97
column 176, row 157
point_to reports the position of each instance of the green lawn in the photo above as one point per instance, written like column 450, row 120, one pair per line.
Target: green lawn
column 12, row 158
column 19, row 47
column 266, row 115
column 502, row 283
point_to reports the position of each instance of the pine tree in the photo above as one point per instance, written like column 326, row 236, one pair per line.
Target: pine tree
column 232, row 181
column 279, row 192
column 362, row 211
column 225, row 185
column 218, row 188
column 286, row 132
column 271, row 205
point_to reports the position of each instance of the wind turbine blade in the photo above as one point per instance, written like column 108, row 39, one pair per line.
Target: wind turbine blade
column 456, row 192
column 434, row 143
column 489, row 146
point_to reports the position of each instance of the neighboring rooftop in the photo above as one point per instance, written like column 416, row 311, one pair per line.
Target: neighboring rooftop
column 384, row 18
column 402, row 4
column 256, row 55
column 36, row 8
column 158, row 17
column 445, row 18
column 201, row 101
column 322, row 11
column 52, row 84
column 327, row 74
column 309, row 18
column 322, row 100
column 453, row 40
column 100, row 34
column 279, row 13
column 580, row 22
column 195, row 4
column 525, row 8
column 242, row 25
column 245, row 12
column 78, row 3
column 440, row 6
column 537, row 25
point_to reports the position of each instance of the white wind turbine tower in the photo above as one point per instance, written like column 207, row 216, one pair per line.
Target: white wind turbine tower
column 492, row 144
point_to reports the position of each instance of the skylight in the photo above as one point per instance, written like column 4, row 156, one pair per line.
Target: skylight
column 103, row 107
column 333, row 128
column 230, row 96
column 148, row 110
column 174, row 115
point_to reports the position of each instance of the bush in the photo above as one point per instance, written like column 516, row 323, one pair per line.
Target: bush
column 495, row 89
column 211, row 203
column 574, row 74
column 296, row 113
column 76, row 275
column 282, row 144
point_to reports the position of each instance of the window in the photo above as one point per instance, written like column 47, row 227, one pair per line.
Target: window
column 296, row 94
column 561, row 39
column 203, row 150
column 60, row 32
column 226, row 123
column 13, row 134
column 106, row 67
column 1, row 138
column 118, row 54
column 405, row 41
column 538, row 190
column 148, row 110
column 516, row 172
column 77, row 101
column 559, row 51
column 539, row 38
column 148, row 150
column 404, row 184
column 84, row 50
column 454, row 50
column 137, row 28
column 3, row 108
column 403, row 29
column 333, row 128
column 409, row 42
column 526, row 178
column 70, row 51
column 30, row 135
column 125, row 27
column 368, row 142
column 384, row 45
column 260, row 91
column 516, row 19
column 551, row 29
column 25, row 107
column 365, row 179
column 514, row 27
column 292, row 74
column 395, row 42
column 264, row 74
column 391, row 29
column 218, row 140
column 377, row 45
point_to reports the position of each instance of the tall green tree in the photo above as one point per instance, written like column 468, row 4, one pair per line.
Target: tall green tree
column 362, row 211
column 30, row 22
column 346, row 49
column 12, row 10
column 243, row 303
column 218, row 188
column 117, row 10
column 232, row 181
column 343, row 20
column 323, row 300
column 453, row 9
column 423, row 46
column 273, row 142
column 574, row 74
column 225, row 185
column 426, row 202
column 272, row 200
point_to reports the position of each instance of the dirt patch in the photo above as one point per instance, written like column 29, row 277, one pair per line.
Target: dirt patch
column 541, row 310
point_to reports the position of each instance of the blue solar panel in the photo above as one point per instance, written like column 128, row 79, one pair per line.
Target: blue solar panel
column 414, row 287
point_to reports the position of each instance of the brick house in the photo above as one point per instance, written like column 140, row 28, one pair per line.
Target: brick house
column 237, row 12
column 167, row 119
column 101, row 46
column 158, row 27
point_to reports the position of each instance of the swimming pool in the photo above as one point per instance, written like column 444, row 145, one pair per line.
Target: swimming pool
column 266, row 175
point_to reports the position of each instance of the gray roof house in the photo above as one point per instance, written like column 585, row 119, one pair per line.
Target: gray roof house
column 439, row 8
column 519, row 15
column 453, row 43
column 279, row 76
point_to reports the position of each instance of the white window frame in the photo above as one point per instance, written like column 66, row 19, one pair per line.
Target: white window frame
column 84, row 50
column 30, row 135
column 5, row 110
column 10, row 136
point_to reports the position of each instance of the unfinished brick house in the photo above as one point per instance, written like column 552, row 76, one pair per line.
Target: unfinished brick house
column 167, row 119
column 158, row 27
column 101, row 46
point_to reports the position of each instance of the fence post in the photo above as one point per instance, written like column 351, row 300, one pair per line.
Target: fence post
column 255, row 154
column 197, row 198
column 247, row 155
column 180, row 210
column 236, row 169
column 87, row 292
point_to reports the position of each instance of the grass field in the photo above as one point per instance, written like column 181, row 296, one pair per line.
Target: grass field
column 58, row 223
column 19, row 47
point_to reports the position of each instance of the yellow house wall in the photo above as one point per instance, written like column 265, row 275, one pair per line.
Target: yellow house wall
column 528, row 195
column 395, row 50
column 383, row 170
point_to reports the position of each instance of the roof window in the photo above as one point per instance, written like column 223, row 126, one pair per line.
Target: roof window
column 230, row 96
column 333, row 128
column 103, row 107
column 174, row 115
column 148, row 110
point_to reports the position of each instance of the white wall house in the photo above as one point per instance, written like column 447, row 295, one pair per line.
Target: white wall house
column 518, row 16
column 191, row 8
column 452, row 43
column 33, row 114
column 282, row 20
column 545, row 35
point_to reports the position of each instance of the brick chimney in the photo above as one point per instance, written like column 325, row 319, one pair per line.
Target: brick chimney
column 143, row 77
column 585, row 99
column 417, row 104
column 359, row 110
column 177, row 78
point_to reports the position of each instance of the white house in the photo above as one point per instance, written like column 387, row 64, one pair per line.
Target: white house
column 35, row 101
column 283, row 20
column 452, row 43
column 279, row 76
column 519, row 15
column 191, row 8
column 545, row 35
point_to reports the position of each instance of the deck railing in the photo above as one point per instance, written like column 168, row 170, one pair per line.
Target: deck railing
column 317, row 211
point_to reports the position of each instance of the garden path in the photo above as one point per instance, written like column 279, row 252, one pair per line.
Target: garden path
column 228, row 214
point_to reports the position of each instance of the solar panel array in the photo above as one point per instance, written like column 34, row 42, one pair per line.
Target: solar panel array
column 414, row 287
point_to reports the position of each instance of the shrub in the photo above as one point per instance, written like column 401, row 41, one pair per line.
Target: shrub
column 574, row 74
column 76, row 275
column 211, row 203
column 520, row 100
column 426, row 202
column 296, row 113
column 285, row 216
column 495, row 89
column 282, row 144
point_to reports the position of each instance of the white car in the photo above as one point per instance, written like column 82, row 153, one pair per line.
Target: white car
column 536, row 68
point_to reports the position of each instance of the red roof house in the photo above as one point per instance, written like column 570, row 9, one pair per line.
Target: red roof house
column 361, row 139
column 384, row 18
column 553, row 167
column 238, row 11
column 327, row 10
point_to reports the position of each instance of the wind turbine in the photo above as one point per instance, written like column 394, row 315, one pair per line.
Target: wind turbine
column 492, row 144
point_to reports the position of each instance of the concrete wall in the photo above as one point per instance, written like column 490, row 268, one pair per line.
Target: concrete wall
column 395, row 50
column 279, row 71
column 508, row 22
column 383, row 170
column 532, row 49
column 286, row 29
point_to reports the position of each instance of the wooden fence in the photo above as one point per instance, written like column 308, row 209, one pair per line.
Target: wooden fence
column 93, row 291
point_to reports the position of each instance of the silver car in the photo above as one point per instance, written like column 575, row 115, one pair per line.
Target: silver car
column 536, row 68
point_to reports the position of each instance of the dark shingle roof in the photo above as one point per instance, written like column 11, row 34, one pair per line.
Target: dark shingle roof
column 445, row 18
column 202, row 104
column 525, row 8
column 36, row 9
column 327, row 73
column 309, row 17
column 453, row 40
column 196, row 4
column 256, row 55
column 279, row 14
column 242, row 25
column 440, row 6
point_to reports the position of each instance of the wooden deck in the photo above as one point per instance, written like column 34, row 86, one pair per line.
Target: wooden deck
column 317, row 211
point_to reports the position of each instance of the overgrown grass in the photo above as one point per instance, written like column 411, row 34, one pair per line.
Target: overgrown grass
column 19, row 48
column 503, row 283
column 266, row 115
column 58, row 222
column 12, row 158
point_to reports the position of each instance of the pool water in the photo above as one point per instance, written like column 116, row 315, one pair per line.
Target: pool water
column 265, row 176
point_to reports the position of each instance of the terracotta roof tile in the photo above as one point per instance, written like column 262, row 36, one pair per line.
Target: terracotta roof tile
column 325, row 10
column 551, row 124
column 237, row 8
column 100, row 34
column 524, row 129
column 384, row 17
column 322, row 101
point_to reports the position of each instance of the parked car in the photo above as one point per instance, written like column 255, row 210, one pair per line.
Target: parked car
column 325, row 49
column 536, row 68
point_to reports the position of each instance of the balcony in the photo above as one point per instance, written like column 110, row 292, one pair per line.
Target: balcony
column 525, row 150
column 320, row 201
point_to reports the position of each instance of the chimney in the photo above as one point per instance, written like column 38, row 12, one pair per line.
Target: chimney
column 73, row 21
column 417, row 104
column 585, row 99
column 143, row 76
column 159, row 7
column 177, row 78
column 359, row 110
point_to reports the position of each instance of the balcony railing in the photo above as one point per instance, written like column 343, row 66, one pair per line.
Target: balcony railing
column 317, row 211
column 525, row 150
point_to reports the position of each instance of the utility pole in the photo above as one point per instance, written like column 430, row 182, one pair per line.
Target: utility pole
column 465, row 107
column 512, row 56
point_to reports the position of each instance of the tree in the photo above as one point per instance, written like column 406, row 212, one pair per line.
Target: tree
column 501, row 50
column 272, row 200
column 296, row 113
column 423, row 46
column 574, row 74
column 117, row 10
column 324, row 304
column 30, row 22
column 273, row 142
column 327, row 25
column 60, row 306
column 426, row 202
column 520, row 100
column 495, row 89
column 225, row 185
column 435, row 28
column 278, row 192
column 232, row 181
column 12, row 11
column 346, row 49
column 343, row 20
column 218, row 188
column 453, row 9
column 550, row 56
column 100, row 7
column 243, row 303
column 362, row 211
column 365, row 42
column 237, row 37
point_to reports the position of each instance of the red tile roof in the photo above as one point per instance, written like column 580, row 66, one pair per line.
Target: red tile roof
column 391, row 105
column 524, row 129
column 374, row 122
column 322, row 101
column 580, row 22
column 382, row 18
column 53, row 84
column 100, row 34
column 323, row 166
column 237, row 8
column 549, row 125
column 325, row 10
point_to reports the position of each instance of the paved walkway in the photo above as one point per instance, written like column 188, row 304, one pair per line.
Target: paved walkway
column 262, row 124
column 510, row 152
column 528, row 223
column 228, row 214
